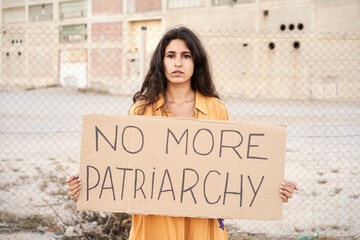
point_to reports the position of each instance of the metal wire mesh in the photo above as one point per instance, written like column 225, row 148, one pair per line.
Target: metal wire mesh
column 309, row 82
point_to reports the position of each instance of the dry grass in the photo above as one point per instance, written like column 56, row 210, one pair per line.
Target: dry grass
column 7, row 186
column 30, row 222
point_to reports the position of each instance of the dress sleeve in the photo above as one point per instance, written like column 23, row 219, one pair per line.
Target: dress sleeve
column 222, row 111
column 224, row 114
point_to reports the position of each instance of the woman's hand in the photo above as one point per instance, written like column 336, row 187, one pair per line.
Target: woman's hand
column 287, row 190
column 74, row 185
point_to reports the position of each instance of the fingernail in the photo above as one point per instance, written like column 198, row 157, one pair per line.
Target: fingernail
column 79, row 179
column 281, row 191
column 282, row 183
column 79, row 187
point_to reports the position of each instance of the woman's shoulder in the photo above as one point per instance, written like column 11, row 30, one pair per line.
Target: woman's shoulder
column 214, row 102
column 217, row 102
column 217, row 108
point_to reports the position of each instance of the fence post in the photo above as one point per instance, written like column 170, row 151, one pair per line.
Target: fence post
column 142, row 54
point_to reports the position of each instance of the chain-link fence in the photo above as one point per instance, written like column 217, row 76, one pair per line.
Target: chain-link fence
column 309, row 82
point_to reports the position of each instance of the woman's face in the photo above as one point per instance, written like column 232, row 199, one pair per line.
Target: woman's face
column 178, row 63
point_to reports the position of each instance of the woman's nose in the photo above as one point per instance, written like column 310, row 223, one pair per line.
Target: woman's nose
column 178, row 62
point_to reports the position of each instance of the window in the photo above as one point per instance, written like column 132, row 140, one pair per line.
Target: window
column 185, row 3
column 73, row 33
column 73, row 9
column 131, row 6
column 41, row 12
column 14, row 15
column 230, row 2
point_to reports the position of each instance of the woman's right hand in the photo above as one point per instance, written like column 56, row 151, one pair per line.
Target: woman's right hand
column 74, row 186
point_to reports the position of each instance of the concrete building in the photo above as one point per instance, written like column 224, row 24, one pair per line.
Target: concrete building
column 45, row 42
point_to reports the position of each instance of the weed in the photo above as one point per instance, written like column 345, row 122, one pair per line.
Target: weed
column 7, row 217
column 44, row 185
column 6, row 186
column 30, row 222
column 354, row 196
column 33, row 221
column 327, row 238
column 51, row 85
column 39, row 170
column 322, row 181
column 30, row 88
column 14, row 169
column 61, row 192
column 24, row 178
column 53, row 178
column 335, row 227
column 337, row 190
column 60, row 167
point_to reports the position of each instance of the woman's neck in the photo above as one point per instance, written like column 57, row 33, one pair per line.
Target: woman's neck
column 179, row 94
column 180, row 100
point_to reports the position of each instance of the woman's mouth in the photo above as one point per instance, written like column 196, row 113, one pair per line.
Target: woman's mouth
column 177, row 73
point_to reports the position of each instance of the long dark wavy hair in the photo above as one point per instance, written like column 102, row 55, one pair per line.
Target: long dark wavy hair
column 155, row 82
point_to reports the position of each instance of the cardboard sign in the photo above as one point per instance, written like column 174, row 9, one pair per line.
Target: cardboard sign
column 181, row 167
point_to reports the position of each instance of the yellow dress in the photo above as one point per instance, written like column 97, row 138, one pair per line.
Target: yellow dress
column 148, row 227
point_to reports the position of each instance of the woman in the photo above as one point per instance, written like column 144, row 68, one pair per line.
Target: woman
column 179, row 84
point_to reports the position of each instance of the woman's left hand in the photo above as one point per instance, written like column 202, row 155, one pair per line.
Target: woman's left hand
column 287, row 190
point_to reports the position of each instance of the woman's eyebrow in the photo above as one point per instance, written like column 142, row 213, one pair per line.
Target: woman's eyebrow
column 181, row 52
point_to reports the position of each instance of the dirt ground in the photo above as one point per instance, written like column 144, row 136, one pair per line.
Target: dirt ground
column 40, row 144
column 27, row 236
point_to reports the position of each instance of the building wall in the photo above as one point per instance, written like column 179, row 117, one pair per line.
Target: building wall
column 316, row 16
column 1, row 44
column 106, row 32
column 214, row 18
column 108, row 7
column 275, row 18
column 1, row 11
column 323, row 15
column 28, row 60
column 106, row 62
column 12, row 3
column 149, row 5
column 338, row 17
column 112, row 52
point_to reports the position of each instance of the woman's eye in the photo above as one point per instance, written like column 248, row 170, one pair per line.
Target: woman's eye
column 170, row 56
column 187, row 56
